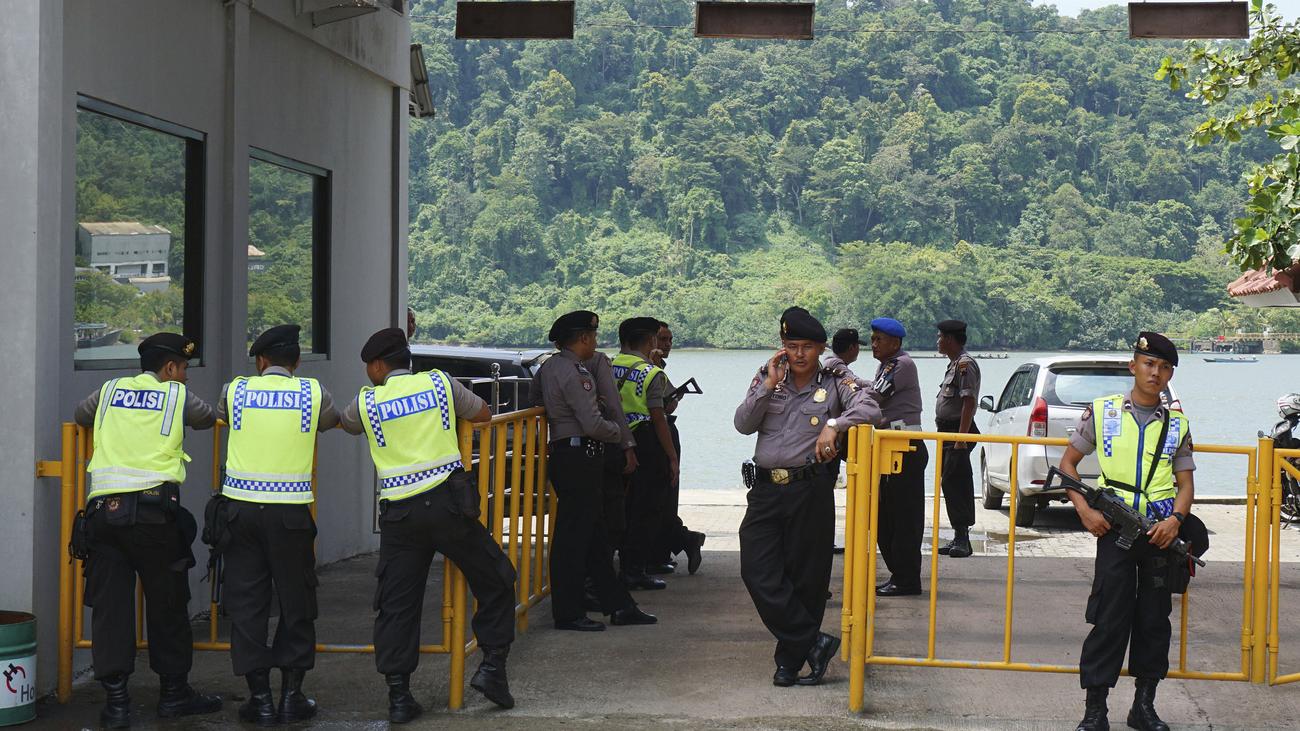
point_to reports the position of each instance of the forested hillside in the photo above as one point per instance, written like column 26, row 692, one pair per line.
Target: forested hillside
column 938, row 161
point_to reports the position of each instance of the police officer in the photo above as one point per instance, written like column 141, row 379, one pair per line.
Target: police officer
column 137, row 527
column 954, row 411
column 798, row 409
column 427, row 504
column 643, row 390
column 267, row 490
column 845, row 347
column 902, row 496
column 618, row 463
column 1146, row 457
column 674, row 537
column 578, row 436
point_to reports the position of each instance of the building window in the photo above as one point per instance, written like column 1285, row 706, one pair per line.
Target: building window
column 288, row 248
column 139, row 234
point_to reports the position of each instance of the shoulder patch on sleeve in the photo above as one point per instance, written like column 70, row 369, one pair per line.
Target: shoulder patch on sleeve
column 1087, row 412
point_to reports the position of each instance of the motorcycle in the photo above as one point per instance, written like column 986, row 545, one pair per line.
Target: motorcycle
column 1284, row 437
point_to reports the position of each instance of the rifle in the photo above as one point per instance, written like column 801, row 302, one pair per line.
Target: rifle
column 1127, row 523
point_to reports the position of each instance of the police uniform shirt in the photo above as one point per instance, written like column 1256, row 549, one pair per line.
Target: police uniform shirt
column 897, row 389
column 962, row 380
column 329, row 415
column 198, row 413
column 1084, row 437
column 464, row 401
column 568, row 390
column 834, row 361
column 789, row 421
column 611, row 406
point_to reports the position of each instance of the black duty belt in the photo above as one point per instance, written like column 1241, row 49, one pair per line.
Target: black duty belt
column 593, row 447
column 786, row 475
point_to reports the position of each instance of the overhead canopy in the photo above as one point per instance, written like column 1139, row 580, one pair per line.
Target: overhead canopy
column 1188, row 20
column 1263, row 288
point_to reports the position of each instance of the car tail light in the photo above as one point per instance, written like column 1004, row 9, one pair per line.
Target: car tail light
column 1038, row 418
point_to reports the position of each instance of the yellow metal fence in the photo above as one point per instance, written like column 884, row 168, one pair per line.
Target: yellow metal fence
column 873, row 453
column 507, row 457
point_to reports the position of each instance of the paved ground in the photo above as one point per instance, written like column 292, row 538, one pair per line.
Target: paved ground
column 707, row 665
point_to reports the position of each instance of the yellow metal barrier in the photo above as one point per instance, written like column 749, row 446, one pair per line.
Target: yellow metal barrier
column 1279, row 465
column 519, row 512
column 873, row 453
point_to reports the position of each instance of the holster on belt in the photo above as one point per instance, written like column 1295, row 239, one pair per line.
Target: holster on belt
column 217, row 515
column 79, row 543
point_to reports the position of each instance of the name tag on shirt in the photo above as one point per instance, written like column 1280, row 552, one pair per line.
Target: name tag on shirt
column 1112, row 423
column 1171, row 442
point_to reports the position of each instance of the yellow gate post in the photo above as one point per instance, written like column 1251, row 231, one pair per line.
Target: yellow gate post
column 851, row 470
column 65, row 469
column 1263, row 567
column 863, row 486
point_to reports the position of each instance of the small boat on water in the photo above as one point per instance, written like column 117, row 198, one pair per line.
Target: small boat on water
column 1233, row 359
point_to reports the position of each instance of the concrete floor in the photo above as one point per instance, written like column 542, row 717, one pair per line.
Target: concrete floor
column 708, row 665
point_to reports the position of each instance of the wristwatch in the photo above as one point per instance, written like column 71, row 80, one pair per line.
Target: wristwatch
column 833, row 423
column 1179, row 516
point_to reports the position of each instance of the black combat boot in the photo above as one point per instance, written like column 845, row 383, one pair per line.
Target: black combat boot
column 177, row 698
column 294, row 704
column 490, row 678
column 402, row 707
column 1094, row 714
column 117, row 702
column 1142, row 715
column 260, row 706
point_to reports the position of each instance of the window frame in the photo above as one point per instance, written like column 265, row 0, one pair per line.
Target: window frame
column 321, row 243
column 195, row 196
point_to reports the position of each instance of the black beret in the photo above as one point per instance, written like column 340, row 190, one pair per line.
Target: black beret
column 280, row 336
column 951, row 327
column 573, row 322
column 633, row 326
column 844, row 338
column 1156, row 346
column 168, row 342
column 797, row 324
column 387, row 343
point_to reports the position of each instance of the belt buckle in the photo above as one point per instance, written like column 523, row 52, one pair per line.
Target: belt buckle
column 780, row 476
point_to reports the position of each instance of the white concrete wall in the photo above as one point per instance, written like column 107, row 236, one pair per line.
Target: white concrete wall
column 245, row 76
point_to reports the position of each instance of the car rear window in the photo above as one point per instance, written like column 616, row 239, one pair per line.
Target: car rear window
column 1077, row 386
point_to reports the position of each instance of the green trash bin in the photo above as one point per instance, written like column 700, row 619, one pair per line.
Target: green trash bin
column 17, row 668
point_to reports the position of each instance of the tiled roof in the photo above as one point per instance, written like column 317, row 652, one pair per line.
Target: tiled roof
column 1261, row 281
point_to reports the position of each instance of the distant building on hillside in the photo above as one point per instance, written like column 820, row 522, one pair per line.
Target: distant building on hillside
column 128, row 251
column 256, row 259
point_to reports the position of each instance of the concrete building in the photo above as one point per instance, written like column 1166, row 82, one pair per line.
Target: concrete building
column 128, row 251
column 307, row 84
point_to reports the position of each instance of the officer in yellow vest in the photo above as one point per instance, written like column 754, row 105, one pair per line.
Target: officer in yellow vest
column 267, row 490
column 1144, row 446
column 427, row 504
column 643, row 389
column 137, row 527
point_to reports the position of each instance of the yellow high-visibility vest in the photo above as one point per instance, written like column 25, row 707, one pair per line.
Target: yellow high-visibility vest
column 410, row 422
column 139, row 427
column 273, row 422
column 1126, row 451
column 634, row 375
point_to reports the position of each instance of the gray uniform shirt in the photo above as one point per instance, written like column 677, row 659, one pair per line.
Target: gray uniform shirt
column 961, row 380
column 611, row 405
column 329, row 414
column 1084, row 437
column 898, row 390
column 568, row 390
column 834, row 361
column 464, row 401
column 198, row 413
column 788, row 421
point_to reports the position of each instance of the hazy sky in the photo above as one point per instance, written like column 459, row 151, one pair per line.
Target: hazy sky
column 1287, row 8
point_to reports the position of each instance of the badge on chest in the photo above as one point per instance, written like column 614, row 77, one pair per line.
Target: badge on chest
column 1112, row 422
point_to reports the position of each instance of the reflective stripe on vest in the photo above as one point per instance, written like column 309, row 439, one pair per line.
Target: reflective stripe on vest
column 410, row 423
column 139, row 427
column 273, row 423
column 1125, row 452
column 634, row 374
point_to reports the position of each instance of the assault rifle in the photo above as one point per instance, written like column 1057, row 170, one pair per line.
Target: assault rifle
column 1127, row 523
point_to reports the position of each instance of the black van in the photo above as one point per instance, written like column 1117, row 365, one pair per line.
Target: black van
column 508, row 372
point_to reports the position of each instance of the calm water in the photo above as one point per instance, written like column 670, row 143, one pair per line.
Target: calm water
column 1227, row 403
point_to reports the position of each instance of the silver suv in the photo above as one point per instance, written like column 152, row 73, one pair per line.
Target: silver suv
column 1044, row 398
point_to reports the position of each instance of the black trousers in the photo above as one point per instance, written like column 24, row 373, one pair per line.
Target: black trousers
column 645, row 503
column 673, row 536
column 901, row 524
column 785, row 560
column 270, row 547
column 153, row 549
column 1127, row 609
column 411, row 530
column 958, row 484
column 578, row 543
column 614, row 496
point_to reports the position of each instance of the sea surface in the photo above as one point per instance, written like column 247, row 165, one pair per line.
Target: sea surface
column 1226, row 402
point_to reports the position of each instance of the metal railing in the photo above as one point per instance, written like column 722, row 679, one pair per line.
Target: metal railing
column 873, row 453
column 517, row 506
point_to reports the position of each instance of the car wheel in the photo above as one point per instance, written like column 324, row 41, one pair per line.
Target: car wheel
column 992, row 495
column 1025, row 509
